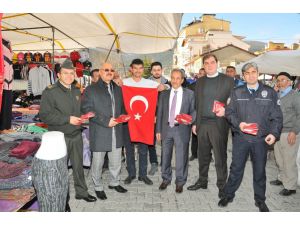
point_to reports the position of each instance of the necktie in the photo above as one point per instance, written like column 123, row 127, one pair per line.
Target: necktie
column 172, row 110
column 251, row 90
column 109, row 87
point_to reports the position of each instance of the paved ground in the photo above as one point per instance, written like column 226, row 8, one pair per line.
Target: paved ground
column 141, row 197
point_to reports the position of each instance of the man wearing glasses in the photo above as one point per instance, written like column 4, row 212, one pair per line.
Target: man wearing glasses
column 104, row 98
column 251, row 104
column 286, row 148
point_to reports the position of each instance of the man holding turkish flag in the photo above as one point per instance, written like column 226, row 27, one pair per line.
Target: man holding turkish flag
column 140, row 104
column 140, row 97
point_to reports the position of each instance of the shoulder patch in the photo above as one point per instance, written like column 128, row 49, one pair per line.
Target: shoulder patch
column 278, row 102
column 50, row 86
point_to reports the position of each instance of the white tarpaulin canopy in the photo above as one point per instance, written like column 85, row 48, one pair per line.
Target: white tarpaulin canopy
column 130, row 33
column 274, row 62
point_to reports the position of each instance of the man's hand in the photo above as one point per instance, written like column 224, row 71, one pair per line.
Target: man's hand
column 194, row 129
column 242, row 125
column 75, row 120
column 158, row 137
column 112, row 122
column 118, row 81
column 270, row 139
column 220, row 112
column 291, row 138
column 161, row 87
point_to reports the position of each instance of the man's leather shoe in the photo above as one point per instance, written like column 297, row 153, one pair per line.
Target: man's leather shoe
column 163, row 185
column 101, row 195
column 224, row 201
column 146, row 180
column 118, row 188
column 276, row 182
column 67, row 209
column 192, row 158
column 286, row 192
column 197, row 186
column 262, row 206
column 88, row 198
column 179, row 188
column 221, row 194
column 129, row 179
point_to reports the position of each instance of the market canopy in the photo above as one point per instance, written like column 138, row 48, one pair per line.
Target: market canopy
column 129, row 33
column 274, row 62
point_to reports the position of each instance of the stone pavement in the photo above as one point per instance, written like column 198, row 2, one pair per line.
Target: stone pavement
column 144, row 198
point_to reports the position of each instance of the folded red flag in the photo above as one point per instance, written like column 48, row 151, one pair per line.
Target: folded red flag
column 122, row 118
column 251, row 128
column 87, row 116
column 184, row 119
column 217, row 105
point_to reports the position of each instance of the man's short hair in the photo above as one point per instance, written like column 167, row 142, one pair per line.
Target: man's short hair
column 137, row 62
column 248, row 66
column 209, row 55
column 155, row 64
column 179, row 71
column 93, row 71
column 230, row 67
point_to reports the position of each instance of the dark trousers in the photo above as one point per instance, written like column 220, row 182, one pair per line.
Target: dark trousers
column 194, row 146
column 209, row 137
column 130, row 160
column 152, row 152
column 6, row 110
column 181, row 153
column 75, row 154
column 240, row 152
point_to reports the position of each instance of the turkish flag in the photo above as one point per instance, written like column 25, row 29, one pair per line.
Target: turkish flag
column 140, row 104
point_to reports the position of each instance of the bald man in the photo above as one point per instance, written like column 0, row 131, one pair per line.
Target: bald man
column 106, row 135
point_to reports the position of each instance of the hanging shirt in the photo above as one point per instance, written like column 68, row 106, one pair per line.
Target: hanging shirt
column 8, row 67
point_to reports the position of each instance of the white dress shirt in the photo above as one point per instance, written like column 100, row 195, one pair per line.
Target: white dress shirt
column 178, row 102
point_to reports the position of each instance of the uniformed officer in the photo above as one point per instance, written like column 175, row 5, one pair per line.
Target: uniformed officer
column 60, row 110
column 251, row 103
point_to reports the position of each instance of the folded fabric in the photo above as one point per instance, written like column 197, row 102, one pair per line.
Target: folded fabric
column 42, row 125
column 184, row 119
column 11, row 170
column 24, row 149
column 122, row 118
column 35, row 129
column 87, row 116
column 34, row 107
column 251, row 128
column 217, row 105
column 20, row 196
column 21, row 181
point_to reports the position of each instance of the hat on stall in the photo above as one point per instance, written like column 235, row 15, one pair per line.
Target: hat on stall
column 286, row 75
column 87, row 64
column 67, row 64
column 53, row 146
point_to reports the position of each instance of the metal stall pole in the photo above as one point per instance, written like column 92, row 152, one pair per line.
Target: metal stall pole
column 111, row 48
column 53, row 66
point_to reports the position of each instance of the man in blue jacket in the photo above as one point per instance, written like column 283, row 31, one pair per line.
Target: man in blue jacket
column 251, row 103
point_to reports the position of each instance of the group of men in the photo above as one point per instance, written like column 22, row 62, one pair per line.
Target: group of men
column 245, row 102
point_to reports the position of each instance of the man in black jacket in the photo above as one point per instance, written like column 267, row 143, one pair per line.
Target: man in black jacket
column 60, row 110
column 211, row 128
column 105, row 99
column 251, row 103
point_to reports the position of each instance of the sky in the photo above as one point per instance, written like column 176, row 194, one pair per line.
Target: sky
column 276, row 27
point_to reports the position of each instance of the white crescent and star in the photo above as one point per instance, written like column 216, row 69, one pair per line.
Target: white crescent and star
column 137, row 116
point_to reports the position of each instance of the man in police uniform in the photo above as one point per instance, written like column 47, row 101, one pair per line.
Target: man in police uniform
column 60, row 110
column 251, row 103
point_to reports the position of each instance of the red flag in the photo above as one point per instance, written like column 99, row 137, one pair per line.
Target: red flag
column 1, row 64
column 140, row 104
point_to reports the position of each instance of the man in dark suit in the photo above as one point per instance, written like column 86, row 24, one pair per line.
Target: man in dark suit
column 211, row 128
column 173, row 102
column 104, row 98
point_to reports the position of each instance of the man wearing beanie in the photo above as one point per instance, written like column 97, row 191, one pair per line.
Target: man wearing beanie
column 60, row 110
column 286, row 148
